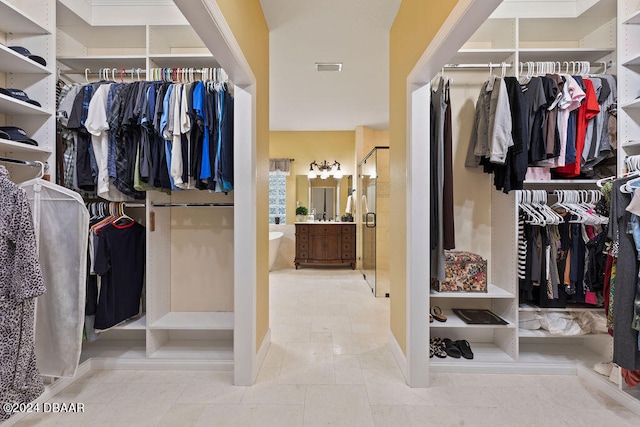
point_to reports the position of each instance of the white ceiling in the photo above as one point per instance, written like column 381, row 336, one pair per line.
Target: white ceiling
column 354, row 32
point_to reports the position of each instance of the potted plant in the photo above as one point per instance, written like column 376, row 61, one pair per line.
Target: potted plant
column 301, row 214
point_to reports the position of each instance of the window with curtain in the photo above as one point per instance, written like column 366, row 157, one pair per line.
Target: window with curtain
column 278, row 172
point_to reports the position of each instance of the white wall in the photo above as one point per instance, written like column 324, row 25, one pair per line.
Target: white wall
column 472, row 187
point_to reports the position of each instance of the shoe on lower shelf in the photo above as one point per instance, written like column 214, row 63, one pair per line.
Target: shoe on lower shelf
column 603, row 368
column 615, row 375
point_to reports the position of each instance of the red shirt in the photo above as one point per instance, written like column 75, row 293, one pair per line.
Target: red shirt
column 587, row 111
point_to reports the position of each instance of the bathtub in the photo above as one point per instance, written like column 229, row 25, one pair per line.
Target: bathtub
column 275, row 237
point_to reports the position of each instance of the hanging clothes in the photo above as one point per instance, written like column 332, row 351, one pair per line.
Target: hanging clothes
column 121, row 139
column 442, row 188
column 558, row 126
column 625, row 342
column 61, row 220
column 119, row 260
column 20, row 283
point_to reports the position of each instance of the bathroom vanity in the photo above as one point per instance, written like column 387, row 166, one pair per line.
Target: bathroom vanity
column 326, row 243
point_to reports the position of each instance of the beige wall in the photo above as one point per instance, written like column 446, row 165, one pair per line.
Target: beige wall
column 306, row 147
column 416, row 23
column 249, row 27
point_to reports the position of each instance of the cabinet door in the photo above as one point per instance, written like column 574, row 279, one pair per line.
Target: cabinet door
column 316, row 247
column 332, row 247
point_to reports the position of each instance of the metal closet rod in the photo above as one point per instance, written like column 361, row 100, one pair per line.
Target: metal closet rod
column 184, row 205
column 131, row 70
column 498, row 65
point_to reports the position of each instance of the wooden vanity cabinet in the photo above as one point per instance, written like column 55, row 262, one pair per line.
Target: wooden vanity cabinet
column 326, row 243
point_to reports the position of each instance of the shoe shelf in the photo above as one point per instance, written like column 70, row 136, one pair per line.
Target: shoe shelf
column 483, row 353
column 493, row 291
column 453, row 321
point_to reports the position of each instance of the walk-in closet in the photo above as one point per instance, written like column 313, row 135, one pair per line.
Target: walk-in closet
column 594, row 42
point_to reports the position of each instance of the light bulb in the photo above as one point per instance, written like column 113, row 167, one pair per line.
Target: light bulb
column 324, row 174
column 312, row 175
column 338, row 174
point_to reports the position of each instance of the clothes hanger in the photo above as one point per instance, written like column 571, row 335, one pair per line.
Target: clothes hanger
column 86, row 74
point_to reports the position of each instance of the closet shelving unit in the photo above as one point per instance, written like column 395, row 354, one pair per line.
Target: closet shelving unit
column 81, row 45
column 189, row 286
column 588, row 37
column 23, row 24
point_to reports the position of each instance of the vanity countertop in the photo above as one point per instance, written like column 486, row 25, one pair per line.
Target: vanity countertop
column 323, row 222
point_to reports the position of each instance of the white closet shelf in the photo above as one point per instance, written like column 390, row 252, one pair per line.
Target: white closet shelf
column 632, row 143
column 634, row 18
column 109, row 61
column 9, row 105
column 635, row 60
column 139, row 323
column 528, row 307
column 542, row 333
column 13, row 62
column 493, row 291
column 564, row 54
column 453, row 321
column 219, row 350
column 120, row 349
column 632, row 104
column 482, row 353
column 551, row 354
column 13, row 20
column 196, row 60
column 218, row 320
column 473, row 56
column 7, row 146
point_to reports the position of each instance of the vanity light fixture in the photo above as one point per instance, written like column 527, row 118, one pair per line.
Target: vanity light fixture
column 326, row 169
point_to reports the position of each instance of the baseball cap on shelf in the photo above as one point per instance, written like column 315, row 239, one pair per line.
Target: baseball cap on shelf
column 16, row 134
column 25, row 52
column 19, row 94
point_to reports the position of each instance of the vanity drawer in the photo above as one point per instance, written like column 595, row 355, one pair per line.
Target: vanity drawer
column 347, row 247
column 348, row 255
column 347, row 238
column 302, row 238
column 324, row 229
column 303, row 246
column 303, row 255
column 302, row 229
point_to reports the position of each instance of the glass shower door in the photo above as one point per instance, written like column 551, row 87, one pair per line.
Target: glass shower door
column 374, row 217
column 367, row 174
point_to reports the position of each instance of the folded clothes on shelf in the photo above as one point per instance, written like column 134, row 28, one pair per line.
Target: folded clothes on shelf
column 564, row 323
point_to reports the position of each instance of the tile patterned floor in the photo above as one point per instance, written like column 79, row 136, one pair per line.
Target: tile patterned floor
column 329, row 364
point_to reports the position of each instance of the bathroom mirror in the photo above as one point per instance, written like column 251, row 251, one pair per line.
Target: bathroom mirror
column 327, row 196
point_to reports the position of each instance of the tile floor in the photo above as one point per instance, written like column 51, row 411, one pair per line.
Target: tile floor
column 329, row 364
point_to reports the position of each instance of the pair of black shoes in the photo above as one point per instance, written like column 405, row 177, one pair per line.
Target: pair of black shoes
column 447, row 347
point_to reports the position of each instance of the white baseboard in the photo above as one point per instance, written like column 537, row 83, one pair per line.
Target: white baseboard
column 607, row 387
column 398, row 354
column 262, row 353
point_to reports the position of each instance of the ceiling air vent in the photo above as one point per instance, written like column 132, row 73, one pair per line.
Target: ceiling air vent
column 328, row 66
